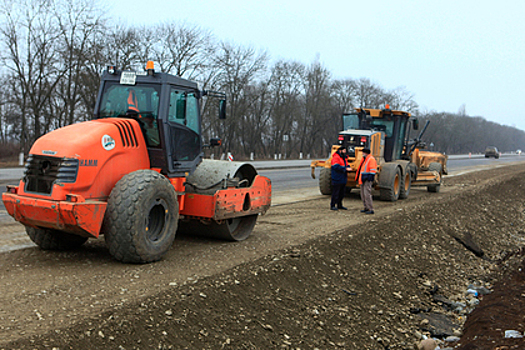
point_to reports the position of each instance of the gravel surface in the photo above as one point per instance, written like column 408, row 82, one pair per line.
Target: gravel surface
column 308, row 278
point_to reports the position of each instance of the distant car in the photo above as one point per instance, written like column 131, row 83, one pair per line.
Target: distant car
column 518, row 152
column 491, row 152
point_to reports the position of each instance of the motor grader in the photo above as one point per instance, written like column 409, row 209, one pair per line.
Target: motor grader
column 135, row 173
column 401, row 162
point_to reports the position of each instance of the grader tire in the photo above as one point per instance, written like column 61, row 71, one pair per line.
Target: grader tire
column 325, row 181
column 49, row 239
column 406, row 184
column 141, row 217
column 391, row 186
column 435, row 167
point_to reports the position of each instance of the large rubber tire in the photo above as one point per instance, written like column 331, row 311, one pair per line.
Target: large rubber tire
column 435, row 167
column 406, row 184
column 141, row 217
column 391, row 186
column 325, row 181
column 49, row 239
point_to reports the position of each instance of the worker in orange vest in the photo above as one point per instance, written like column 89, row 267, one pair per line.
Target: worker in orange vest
column 365, row 177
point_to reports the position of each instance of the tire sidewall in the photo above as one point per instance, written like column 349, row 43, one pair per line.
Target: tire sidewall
column 129, row 205
column 403, row 194
column 325, row 181
column 387, row 181
column 144, row 245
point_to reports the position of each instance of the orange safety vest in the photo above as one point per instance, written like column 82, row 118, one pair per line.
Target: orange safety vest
column 132, row 102
column 369, row 167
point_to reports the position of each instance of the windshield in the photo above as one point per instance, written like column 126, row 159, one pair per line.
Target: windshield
column 124, row 100
column 350, row 122
column 140, row 102
column 387, row 126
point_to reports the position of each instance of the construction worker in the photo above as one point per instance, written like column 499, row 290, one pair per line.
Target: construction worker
column 339, row 171
column 365, row 177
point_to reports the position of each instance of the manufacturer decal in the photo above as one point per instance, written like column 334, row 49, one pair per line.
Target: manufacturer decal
column 88, row 162
column 49, row 153
column 108, row 143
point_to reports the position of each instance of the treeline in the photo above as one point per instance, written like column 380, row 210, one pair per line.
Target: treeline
column 53, row 52
column 461, row 134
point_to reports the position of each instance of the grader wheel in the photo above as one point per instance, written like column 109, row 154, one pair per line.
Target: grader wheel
column 325, row 181
column 439, row 169
column 406, row 184
column 390, row 181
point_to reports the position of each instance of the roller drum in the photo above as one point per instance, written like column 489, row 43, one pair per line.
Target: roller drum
column 209, row 177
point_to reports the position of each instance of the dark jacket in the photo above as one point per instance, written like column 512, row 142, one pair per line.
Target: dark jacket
column 339, row 165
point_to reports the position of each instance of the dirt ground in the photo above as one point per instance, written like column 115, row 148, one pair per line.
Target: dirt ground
column 308, row 278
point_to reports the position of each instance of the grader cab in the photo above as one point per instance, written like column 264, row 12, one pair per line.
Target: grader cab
column 401, row 162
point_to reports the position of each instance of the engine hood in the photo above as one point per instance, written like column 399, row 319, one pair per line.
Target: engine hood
column 75, row 140
column 106, row 150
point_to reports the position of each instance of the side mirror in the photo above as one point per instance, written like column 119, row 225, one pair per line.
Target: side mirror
column 215, row 141
column 415, row 124
column 222, row 109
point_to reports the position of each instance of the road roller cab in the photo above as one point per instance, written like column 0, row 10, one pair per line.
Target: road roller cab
column 401, row 162
column 134, row 172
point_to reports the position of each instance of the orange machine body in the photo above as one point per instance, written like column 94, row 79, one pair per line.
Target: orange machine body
column 101, row 152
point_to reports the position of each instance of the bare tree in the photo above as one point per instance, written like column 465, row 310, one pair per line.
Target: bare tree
column 401, row 99
column 318, row 111
column 53, row 52
column 286, row 104
column 344, row 93
column 30, row 37
column 239, row 69
column 183, row 49
column 368, row 94
column 78, row 21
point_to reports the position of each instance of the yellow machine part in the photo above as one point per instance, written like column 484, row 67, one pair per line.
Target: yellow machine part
column 423, row 159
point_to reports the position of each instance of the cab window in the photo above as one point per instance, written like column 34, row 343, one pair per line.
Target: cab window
column 184, row 109
column 140, row 102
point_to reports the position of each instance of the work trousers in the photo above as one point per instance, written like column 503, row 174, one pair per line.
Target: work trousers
column 338, row 193
column 366, row 195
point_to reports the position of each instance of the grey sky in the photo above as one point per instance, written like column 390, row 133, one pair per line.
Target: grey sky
column 447, row 53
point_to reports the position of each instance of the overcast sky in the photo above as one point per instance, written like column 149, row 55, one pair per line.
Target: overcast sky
column 447, row 53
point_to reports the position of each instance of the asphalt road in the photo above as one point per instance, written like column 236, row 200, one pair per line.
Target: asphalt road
column 295, row 175
column 298, row 178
